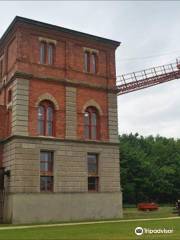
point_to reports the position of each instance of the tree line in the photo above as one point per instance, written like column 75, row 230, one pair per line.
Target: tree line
column 150, row 168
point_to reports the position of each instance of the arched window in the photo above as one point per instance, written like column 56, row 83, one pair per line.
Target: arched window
column 91, row 122
column 45, row 118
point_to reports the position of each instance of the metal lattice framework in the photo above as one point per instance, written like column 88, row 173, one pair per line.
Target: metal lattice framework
column 147, row 78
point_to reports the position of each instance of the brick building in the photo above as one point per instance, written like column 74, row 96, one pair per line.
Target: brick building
column 59, row 153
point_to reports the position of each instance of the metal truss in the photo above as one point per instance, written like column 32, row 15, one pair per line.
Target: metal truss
column 147, row 78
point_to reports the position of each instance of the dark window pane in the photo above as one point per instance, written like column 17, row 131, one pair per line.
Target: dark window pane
column 86, row 132
column 92, row 156
column 94, row 132
column 86, row 62
column 45, row 156
column 41, row 126
column 94, row 63
column 49, row 114
column 86, row 125
column 46, row 161
column 92, row 164
column 50, row 54
column 94, row 118
column 42, row 53
column 46, row 183
column 86, row 118
column 92, row 183
column 41, row 112
column 49, row 128
column 44, row 166
column 9, row 96
column 49, row 124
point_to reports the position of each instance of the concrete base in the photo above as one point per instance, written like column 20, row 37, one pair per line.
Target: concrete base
column 48, row 207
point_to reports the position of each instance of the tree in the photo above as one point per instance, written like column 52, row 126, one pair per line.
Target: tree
column 150, row 168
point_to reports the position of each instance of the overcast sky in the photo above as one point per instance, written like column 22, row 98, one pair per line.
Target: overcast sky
column 150, row 36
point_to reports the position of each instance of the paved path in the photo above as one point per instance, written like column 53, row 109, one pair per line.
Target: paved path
column 83, row 223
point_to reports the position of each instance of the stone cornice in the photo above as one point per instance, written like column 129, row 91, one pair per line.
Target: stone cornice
column 44, row 138
column 66, row 82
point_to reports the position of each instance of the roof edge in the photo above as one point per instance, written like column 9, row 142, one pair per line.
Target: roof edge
column 57, row 28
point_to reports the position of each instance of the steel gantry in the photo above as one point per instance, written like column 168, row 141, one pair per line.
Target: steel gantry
column 147, row 78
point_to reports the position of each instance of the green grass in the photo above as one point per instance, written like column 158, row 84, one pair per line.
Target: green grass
column 106, row 231
column 131, row 213
column 103, row 231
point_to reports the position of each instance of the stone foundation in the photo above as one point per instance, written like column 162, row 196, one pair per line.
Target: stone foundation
column 57, row 207
column 70, row 199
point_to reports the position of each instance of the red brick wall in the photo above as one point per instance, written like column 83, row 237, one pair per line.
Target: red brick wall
column 11, row 53
column 69, row 57
column 68, row 64
column 38, row 88
column 24, row 47
column 23, row 44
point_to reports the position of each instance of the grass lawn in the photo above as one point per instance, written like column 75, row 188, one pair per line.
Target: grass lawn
column 102, row 231
column 131, row 213
column 105, row 231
